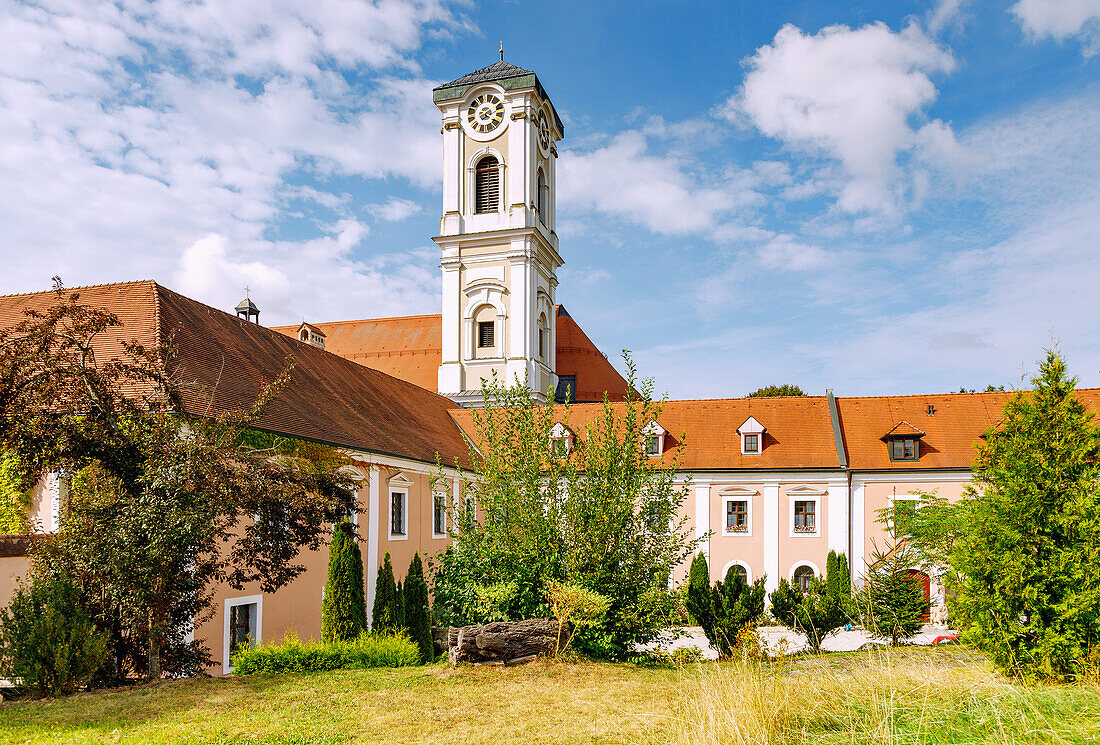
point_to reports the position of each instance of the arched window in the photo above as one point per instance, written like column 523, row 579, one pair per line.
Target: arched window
column 803, row 575
column 542, row 337
column 736, row 570
column 544, row 197
column 487, row 185
column 304, row 335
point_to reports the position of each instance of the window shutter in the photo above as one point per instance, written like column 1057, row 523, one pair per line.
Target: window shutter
column 487, row 185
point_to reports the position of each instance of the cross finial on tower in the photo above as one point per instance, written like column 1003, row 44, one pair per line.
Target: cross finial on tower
column 247, row 291
column 502, row 51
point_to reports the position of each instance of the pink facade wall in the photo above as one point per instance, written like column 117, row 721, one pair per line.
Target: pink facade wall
column 727, row 547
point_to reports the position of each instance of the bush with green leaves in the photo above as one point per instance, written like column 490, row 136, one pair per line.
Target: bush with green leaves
column 821, row 610
column 726, row 608
column 575, row 607
column 344, row 608
column 602, row 515
column 48, row 639
column 292, row 655
column 418, row 618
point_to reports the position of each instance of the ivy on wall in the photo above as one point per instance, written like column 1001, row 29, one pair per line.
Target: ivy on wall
column 15, row 502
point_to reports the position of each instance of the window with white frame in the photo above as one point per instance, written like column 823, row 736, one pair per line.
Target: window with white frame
column 439, row 514
column 561, row 440
column 805, row 516
column 803, row 575
column 399, row 502
column 737, row 515
column 654, row 443
column 242, row 626
column 806, row 512
column 738, row 570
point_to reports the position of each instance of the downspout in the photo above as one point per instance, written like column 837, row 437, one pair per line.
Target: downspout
column 842, row 459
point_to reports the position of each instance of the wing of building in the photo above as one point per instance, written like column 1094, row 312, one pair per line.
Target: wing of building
column 775, row 483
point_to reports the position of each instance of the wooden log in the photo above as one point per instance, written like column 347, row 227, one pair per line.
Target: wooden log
column 503, row 641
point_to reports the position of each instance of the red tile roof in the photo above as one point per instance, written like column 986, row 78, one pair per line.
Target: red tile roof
column 903, row 429
column 330, row 399
column 410, row 348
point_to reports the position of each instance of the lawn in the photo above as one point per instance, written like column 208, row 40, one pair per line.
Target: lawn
column 919, row 695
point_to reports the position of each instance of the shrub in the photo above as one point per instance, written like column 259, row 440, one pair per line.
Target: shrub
column 825, row 606
column 735, row 604
column 48, row 640
column 292, row 655
column 418, row 618
column 344, row 609
column 698, row 594
column 387, row 614
column 572, row 604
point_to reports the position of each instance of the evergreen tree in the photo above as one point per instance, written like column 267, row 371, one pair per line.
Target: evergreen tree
column 1026, row 558
column 825, row 606
column 838, row 578
column 891, row 601
column 735, row 604
column 344, row 609
column 387, row 614
column 698, row 594
column 417, row 613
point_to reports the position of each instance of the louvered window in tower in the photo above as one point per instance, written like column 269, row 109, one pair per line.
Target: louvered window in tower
column 487, row 185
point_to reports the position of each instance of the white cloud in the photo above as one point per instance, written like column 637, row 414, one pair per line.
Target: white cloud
column 945, row 14
column 1061, row 20
column 786, row 253
column 137, row 130
column 627, row 179
column 852, row 95
column 395, row 209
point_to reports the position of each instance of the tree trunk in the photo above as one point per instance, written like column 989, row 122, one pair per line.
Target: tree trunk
column 503, row 642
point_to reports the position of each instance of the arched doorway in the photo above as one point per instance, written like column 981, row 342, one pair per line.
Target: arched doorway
column 925, row 583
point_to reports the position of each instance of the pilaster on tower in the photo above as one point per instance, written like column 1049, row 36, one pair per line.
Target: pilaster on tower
column 499, row 251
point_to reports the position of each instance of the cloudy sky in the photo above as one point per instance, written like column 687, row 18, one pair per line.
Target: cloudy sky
column 878, row 197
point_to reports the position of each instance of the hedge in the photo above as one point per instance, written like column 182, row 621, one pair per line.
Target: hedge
column 295, row 656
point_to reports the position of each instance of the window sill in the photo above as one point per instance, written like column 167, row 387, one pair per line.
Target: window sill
column 399, row 536
column 439, row 535
column 745, row 533
column 805, row 533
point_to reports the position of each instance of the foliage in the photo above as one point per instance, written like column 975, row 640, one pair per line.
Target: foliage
column 1026, row 553
column 496, row 602
column 891, row 602
column 344, row 608
column 14, row 497
column 824, row 608
column 574, row 607
column 770, row 391
column 161, row 504
column 603, row 516
column 988, row 389
column 294, row 656
column 48, row 639
column 736, row 604
column 698, row 594
column 418, row 619
column 387, row 614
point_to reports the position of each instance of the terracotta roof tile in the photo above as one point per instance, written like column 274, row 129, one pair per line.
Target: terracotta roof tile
column 329, row 399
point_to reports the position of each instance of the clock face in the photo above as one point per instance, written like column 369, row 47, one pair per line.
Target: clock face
column 485, row 114
column 544, row 132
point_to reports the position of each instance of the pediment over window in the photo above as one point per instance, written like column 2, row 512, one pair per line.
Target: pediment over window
column 400, row 479
column 805, row 490
column 738, row 491
column 653, row 428
column 903, row 429
column 559, row 432
column 751, row 427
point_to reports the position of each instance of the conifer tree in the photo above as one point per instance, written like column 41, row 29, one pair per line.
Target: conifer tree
column 891, row 601
column 698, row 594
column 344, row 609
column 417, row 613
column 387, row 613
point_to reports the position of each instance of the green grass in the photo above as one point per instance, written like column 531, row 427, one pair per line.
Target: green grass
column 907, row 696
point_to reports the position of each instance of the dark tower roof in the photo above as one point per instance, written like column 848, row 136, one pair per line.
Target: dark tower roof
column 505, row 74
column 496, row 71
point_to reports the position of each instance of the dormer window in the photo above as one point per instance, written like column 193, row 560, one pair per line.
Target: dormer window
column 310, row 334
column 903, row 442
column 561, row 440
column 752, row 436
column 654, row 442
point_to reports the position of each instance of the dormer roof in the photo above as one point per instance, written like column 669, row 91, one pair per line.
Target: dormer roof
column 751, row 427
column 560, row 431
column 312, row 329
column 903, row 429
column 654, row 428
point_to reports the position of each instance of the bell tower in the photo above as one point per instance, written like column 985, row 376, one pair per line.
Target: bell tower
column 499, row 251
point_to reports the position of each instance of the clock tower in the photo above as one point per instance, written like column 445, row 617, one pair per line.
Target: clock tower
column 496, row 236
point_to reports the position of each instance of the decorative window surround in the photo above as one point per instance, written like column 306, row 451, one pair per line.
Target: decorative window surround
column 561, row 439
column 257, row 636
column 798, row 565
column 737, row 494
column 752, row 436
column 654, row 435
column 805, row 493
column 439, row 500
column 739, row 563
column 398, row 494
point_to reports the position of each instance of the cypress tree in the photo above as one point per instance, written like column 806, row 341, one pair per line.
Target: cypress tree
column 344, row 608
column 386, row 613
column 417, row 613
column 698, row 594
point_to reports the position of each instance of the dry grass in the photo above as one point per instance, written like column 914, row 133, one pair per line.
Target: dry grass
column 911, row 696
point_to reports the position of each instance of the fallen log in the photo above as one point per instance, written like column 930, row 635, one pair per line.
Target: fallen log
column 507, row 642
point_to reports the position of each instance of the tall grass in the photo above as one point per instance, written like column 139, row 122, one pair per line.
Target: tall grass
column 292, row 655
column 889, row 696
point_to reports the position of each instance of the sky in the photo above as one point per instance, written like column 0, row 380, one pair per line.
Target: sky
column 873, row 197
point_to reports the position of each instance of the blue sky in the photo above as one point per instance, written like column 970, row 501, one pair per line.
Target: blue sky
column 877, row 197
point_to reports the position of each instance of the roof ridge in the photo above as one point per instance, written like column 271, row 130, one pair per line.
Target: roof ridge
column 84, row 287
column 357, row 320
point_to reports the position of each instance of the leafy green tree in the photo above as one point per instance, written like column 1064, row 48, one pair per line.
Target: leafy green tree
column 417, row 613
column 48, row 638
column 603, row 516
column 891, row 602
column 161, row 504
column 699, row 601
column 824, row 608
column 575, row 607
column 736, row 604
column 771, row 391
column 387, row 614
column 1026, row 553
column 344, row 609
column 14, row 500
